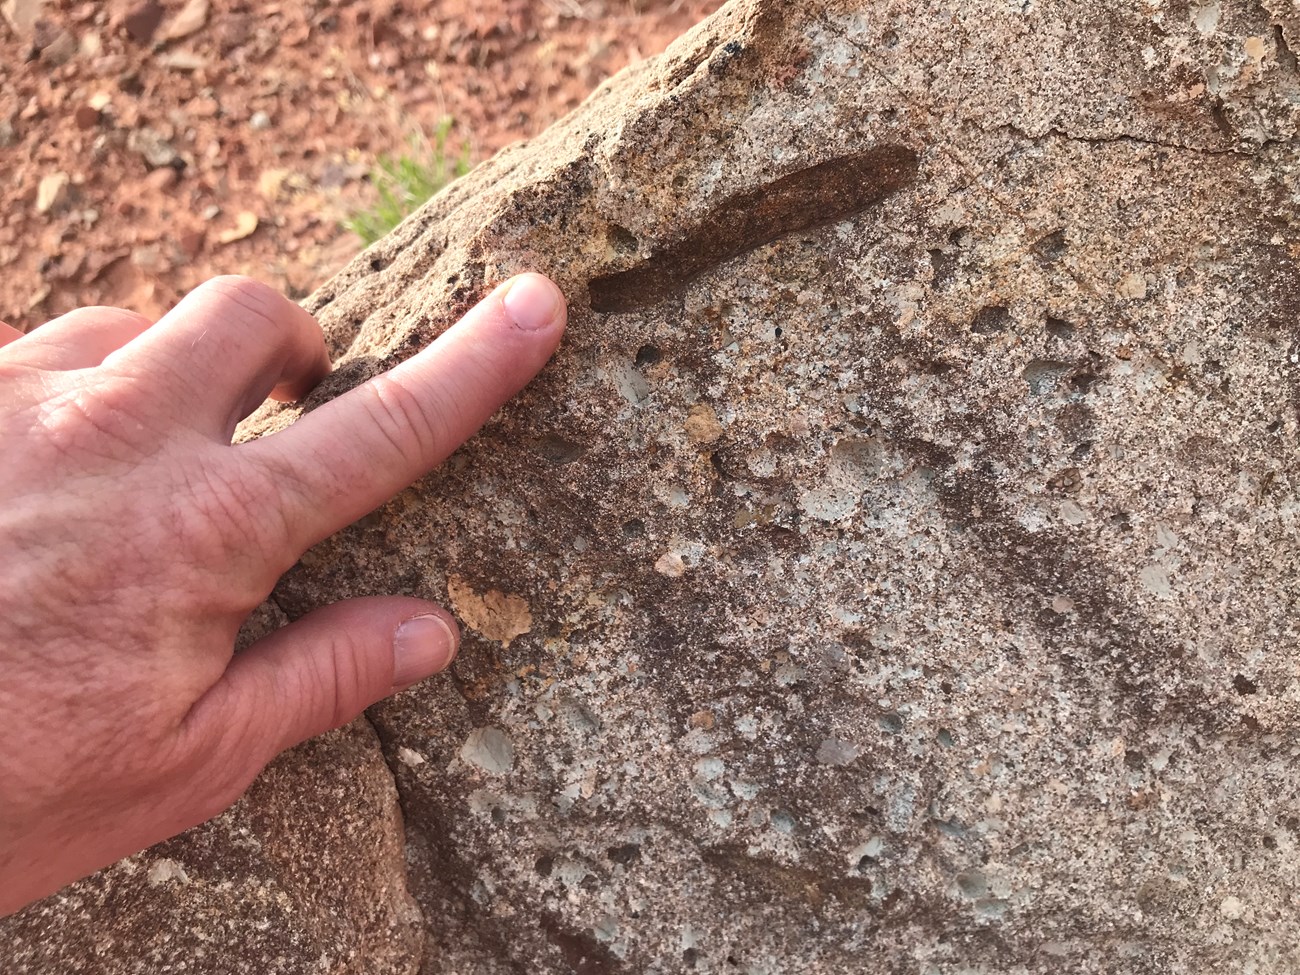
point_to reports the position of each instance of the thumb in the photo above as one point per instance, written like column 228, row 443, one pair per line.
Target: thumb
column 322, row 671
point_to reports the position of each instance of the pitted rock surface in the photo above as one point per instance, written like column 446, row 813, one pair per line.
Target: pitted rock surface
column 897, row 569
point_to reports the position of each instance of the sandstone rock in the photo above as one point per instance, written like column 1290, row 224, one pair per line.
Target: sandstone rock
column 305, row 874
column 952, row 351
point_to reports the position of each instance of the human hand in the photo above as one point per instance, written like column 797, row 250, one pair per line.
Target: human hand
column 135, row 539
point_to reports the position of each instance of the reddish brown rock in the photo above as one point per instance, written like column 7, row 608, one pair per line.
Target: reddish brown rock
column 86, row 117
column 142, row 21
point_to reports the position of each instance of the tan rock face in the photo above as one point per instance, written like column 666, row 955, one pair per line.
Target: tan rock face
column 304, row 875
column 928, row 421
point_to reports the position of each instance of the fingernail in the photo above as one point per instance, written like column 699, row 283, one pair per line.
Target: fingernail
column 532, row 302
column 422, row 646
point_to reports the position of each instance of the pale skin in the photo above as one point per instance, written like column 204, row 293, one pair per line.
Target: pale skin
column 135, row 539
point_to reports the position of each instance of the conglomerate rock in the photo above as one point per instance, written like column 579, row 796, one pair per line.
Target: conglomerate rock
column 897, row 569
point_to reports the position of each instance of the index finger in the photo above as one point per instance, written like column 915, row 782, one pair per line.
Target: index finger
column 346, row 458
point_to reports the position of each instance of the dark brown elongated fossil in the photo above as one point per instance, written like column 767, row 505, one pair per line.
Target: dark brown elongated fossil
column 803, row 200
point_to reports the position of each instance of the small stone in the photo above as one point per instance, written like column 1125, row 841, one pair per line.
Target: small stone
column 782, row 821
column 205, row 106
column 161, row 180
column 1069, row 480
column 143, row 20
column 702, row 424
column 150, row 259
column 191, row 242
column 182, row 60
column 1062, row 605
column 86, row 117
column 37, row 298
column 165, row 871
column 709, row 769
column 409, row 757
column 245, row 225
column 59, row 51
column 703, row 720
column 185, row 21
column 671, row 564
column 150, row 144
column 496, row 615
column 1232, row 908
column 52, row 192
column 1072, row 514
column 836, row 751
column 490, row 750
column 1133, row 286
column 270, row 182
column 259, row 122
column 22, row 15
column 1155, row 579
column 44, row 34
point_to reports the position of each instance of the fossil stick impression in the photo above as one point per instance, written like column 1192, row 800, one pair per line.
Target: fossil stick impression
column 803, row 200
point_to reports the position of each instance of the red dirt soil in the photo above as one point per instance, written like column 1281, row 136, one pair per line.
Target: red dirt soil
column 147, row 146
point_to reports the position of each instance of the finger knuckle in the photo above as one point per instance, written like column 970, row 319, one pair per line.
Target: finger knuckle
column 103, row 418
column 411, row 428
column 265, row 318
column 263, row 304
column 238, row 284
column 350, row 683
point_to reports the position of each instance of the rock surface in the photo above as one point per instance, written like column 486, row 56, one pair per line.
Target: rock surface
column 897, row 570
column 304, row 875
